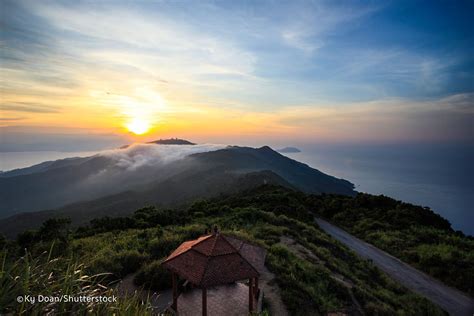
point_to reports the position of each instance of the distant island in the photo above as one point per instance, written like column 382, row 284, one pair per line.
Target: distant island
column 171, row 141
column 288, row 150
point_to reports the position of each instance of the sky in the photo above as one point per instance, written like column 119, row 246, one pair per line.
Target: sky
column 103, row 73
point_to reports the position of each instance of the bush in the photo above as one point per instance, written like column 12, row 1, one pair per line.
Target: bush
column 153, row 276
column 119, row 264
column 163, row 246
column 131, row 261
column 26, row 239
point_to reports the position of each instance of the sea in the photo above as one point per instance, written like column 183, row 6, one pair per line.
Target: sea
column 436, row 176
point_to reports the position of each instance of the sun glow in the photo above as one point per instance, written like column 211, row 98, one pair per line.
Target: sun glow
column 138, row 126
column 140, row 108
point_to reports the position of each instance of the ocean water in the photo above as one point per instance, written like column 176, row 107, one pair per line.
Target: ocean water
column 437, row 176
column 15, row 160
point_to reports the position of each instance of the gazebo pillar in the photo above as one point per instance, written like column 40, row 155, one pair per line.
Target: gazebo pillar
column 256, row 288
column 204, row 301
column 251, row 295
column 175, row 291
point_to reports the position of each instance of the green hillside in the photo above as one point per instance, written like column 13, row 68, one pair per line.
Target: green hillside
column 315, row 273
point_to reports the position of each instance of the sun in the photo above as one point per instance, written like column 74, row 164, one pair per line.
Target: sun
column 138, row 126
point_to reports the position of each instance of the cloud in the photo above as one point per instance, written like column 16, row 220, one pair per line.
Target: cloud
column 387, row 120
column 28, row 107
column 38, row 138
column 310, row 25
column 148, row 155
column 139, row 164
column 395, row 69
column 11, row 119
column 137, row 34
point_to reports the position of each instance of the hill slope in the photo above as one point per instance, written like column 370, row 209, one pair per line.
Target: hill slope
column 145, row 169
column 133, row 177
column 176, row 191
column 316, row 274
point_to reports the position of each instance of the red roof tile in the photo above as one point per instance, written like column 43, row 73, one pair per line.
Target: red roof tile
column 185, row 246
column 216, row 259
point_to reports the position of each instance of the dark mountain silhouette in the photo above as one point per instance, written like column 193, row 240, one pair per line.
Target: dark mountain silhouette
column 47, row 165
column 121, row 191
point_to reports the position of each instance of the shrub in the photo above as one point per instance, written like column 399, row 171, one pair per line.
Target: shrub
column 163, row 246
column 119, row 264
column 153, row 276
column 130, row 260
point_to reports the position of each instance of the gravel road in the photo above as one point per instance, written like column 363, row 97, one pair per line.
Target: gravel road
column 451, row 300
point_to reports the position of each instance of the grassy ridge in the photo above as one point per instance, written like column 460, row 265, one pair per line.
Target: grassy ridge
column 333, row 278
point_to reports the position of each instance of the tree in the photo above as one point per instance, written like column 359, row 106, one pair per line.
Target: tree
column 55, row 228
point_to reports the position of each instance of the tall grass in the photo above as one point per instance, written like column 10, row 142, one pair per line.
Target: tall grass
column 55, row 277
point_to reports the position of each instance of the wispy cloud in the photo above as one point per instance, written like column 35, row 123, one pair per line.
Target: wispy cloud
column 311, row 25
column 145, row 155
column 28, row 107
column 11, row 119
column 447, row 119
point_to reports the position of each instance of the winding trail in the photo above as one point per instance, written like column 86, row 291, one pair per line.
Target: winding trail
column 451, row 300
column 272, row 293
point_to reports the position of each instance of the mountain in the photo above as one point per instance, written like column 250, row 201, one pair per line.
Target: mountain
column 172, row 141
column 288, row 150
column 303, row 177
column 170, row 193
column 112, row 185
column 42, row 167
column 50, row 185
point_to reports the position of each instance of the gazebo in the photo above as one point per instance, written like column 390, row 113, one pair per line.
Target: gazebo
column 214, row 260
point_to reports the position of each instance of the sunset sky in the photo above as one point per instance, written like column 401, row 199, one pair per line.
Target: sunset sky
column 229, row 72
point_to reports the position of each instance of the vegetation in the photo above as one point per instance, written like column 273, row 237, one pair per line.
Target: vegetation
column 49, row 277
column 331, row 278
column 412, row 233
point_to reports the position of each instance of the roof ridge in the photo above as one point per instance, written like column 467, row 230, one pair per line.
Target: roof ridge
column 240, row 255
column 241, row 242
column 229, row 243
column 207, row 260
column 197, row 243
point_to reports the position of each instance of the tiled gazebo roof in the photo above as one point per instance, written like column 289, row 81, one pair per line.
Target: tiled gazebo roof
column 216, row 259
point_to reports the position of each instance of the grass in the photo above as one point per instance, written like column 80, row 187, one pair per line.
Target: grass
column 56, row 277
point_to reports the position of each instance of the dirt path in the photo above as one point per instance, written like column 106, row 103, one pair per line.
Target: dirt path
column 162, row 300
column 271, row 291
column 159, row 301
column 451, row 300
